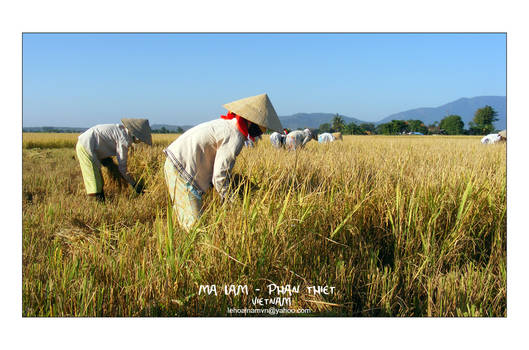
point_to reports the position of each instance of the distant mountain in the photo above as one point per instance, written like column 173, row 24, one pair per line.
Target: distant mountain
column 312, row 120
column 464, row 107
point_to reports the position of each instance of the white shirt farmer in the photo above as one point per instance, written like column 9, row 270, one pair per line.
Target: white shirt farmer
column 108, row 140
column 491, row 138
column 206, row 153
column 298, row 139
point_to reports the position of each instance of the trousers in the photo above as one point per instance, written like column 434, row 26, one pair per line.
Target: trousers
column 91, row 170
column 186, row 200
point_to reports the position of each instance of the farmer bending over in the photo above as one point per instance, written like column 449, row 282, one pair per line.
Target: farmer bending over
column 277, row 139
column 97, row 144
column 299, row 139
column 205, row 154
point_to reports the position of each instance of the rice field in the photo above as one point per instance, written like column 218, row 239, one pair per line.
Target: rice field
column 397, row 225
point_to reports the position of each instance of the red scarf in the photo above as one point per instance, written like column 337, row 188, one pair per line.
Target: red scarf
column 242, row 124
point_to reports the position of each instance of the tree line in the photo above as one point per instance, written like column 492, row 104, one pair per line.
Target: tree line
column 481, row 124
column 164, row 130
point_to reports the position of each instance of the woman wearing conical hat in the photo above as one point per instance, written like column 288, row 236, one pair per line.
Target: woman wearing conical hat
column 96, row 145
column 204, row 155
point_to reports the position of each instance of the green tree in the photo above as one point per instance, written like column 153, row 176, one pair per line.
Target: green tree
column 325, row 127
column 348, row 129
column 452, row 125
column 368, row 128
column 392, row 128
column 483, row 119
column 179, row 130
column 417, row 125
column 434, row 128
column 384, row 129
column 338, row 123
column 353, row 129
column 399, row 126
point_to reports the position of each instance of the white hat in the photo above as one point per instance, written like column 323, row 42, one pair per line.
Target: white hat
column 257, row 109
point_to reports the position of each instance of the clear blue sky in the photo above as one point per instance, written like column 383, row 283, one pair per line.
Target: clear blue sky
column 183, row 79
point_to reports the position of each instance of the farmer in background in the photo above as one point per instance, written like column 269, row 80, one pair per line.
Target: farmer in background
column 204, row 155
column 277, row 140
column 494, row 138
column 298, row 139
column 97, row 144
column 326, row 137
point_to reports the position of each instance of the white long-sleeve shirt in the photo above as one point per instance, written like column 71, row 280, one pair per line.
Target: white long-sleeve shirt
column 206, row 153
column 326, row 137
column 277, row 139
column 491, row 138
column 297, row 139
column 108, row 140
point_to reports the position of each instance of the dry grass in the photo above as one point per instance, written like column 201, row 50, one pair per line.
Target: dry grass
column 400, row 226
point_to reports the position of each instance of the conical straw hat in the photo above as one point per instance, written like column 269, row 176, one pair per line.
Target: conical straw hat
column 503, row 134
column 257, row 109
column 139, row 128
